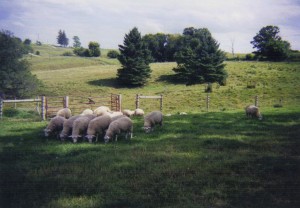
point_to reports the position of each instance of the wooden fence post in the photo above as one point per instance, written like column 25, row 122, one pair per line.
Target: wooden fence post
column 207, row 102
column 137, row 101
column 1, row 108
column 161, row 102
column 120, row 102
column 43, row 107
column 66, row 102
column 256, row 101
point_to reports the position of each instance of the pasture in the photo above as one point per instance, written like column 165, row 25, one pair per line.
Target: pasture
column 218, row 158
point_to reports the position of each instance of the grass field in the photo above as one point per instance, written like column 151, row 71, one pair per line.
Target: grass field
column 218, row 158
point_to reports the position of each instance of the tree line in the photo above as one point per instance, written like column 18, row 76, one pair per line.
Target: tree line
column 196, row 52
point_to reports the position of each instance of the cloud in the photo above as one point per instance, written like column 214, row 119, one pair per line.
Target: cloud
column 107, row 21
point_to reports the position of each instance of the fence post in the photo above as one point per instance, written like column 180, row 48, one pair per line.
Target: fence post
column 161, row 102
column 120, row 102
column 137, row 101
column 1, row 108
column 207, row 102
column 43, row 107
column 256, row 101
column 66, row 102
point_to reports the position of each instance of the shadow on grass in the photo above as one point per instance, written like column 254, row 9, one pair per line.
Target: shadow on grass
column 110, row 82
column 171, row 78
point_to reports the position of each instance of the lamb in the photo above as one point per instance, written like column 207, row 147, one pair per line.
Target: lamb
column 87, row 112
column 151, row 119
column 80, row 126
column 101, row 110
column 123, row 124
column 128, row 113
column 252, row 111
column 97, row 126
column 55, row 126
column 139, row 112
column 65, row 112
column 67, row 127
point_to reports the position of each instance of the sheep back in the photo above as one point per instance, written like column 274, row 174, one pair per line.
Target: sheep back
column 65, row 112
column 80, row 126
column 252, row 111
column 87, row 112
column 101, row 110
column 67, row 127
column 139, row 112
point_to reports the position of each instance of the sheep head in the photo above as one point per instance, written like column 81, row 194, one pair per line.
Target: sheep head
column 90, row 138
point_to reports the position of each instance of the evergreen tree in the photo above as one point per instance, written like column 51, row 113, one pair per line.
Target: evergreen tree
column 199, row 59
column 62, row 38
column 94, row 49
column 15, row 77
column 135, row 59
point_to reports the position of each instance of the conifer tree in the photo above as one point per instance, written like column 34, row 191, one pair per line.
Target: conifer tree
column 199, row 60
column 135, row 59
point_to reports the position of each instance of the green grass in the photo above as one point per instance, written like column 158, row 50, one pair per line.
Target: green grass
column 217, row 159
column 203, row 159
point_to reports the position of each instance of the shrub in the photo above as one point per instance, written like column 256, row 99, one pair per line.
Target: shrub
column 37, row 53
column 249, row 57
column 208, row 87
column 67, row 53
column 112, row 54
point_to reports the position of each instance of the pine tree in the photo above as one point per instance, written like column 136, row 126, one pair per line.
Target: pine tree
column 135, row 59
column 199, row 59
column 62, row 38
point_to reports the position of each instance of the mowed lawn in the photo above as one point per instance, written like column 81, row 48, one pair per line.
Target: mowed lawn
column 214, row 159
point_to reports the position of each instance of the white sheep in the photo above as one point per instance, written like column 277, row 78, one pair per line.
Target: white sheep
column 80, row 126
column 151, row 119
column 54, row 126
column 97, row 126
column 67, row 127
column 128, row 112
column 139, row 112
column 87, row 112
column 101, row 110
column 114, row 114
column 65, row 112
column 118, row 126
column 252, row 111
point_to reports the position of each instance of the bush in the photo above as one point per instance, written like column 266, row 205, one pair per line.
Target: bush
column 208, row 87
column 112, row 54
column 249, row 57
column 67, row 53
column 37, row 53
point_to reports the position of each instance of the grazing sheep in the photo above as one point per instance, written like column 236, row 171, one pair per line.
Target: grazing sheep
column 55, row 126
column 80, row 126
column 65, row 112
column 139, row 112
column 117, row 117
column 123, row 124
column 87, row 112
column 252, row 111
column 97, row 126
column 101, row 110
column 151, row 119
column 67, row 127
column 128, row 113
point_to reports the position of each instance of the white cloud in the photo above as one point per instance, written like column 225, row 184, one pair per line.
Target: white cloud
column 108, row 21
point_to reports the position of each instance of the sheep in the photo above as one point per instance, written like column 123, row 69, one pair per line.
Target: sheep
column 87, row 112
column 151, row 119
column 101, row 110
column 80, row 126
column 67, row 127
column 123, row 124
column 128, row 113
column 65, row 112
column 97, row 126
column 139, row 112
column 252, row 111
column 114, row 114
column 54, row 126
column 117, row 117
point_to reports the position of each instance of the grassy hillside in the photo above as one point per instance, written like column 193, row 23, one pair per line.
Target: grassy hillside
column 217, row 159
column 75, row 76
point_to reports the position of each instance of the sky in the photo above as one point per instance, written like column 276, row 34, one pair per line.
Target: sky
column 233, row 23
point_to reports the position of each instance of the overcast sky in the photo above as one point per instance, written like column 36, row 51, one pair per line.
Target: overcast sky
column 107, row 21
